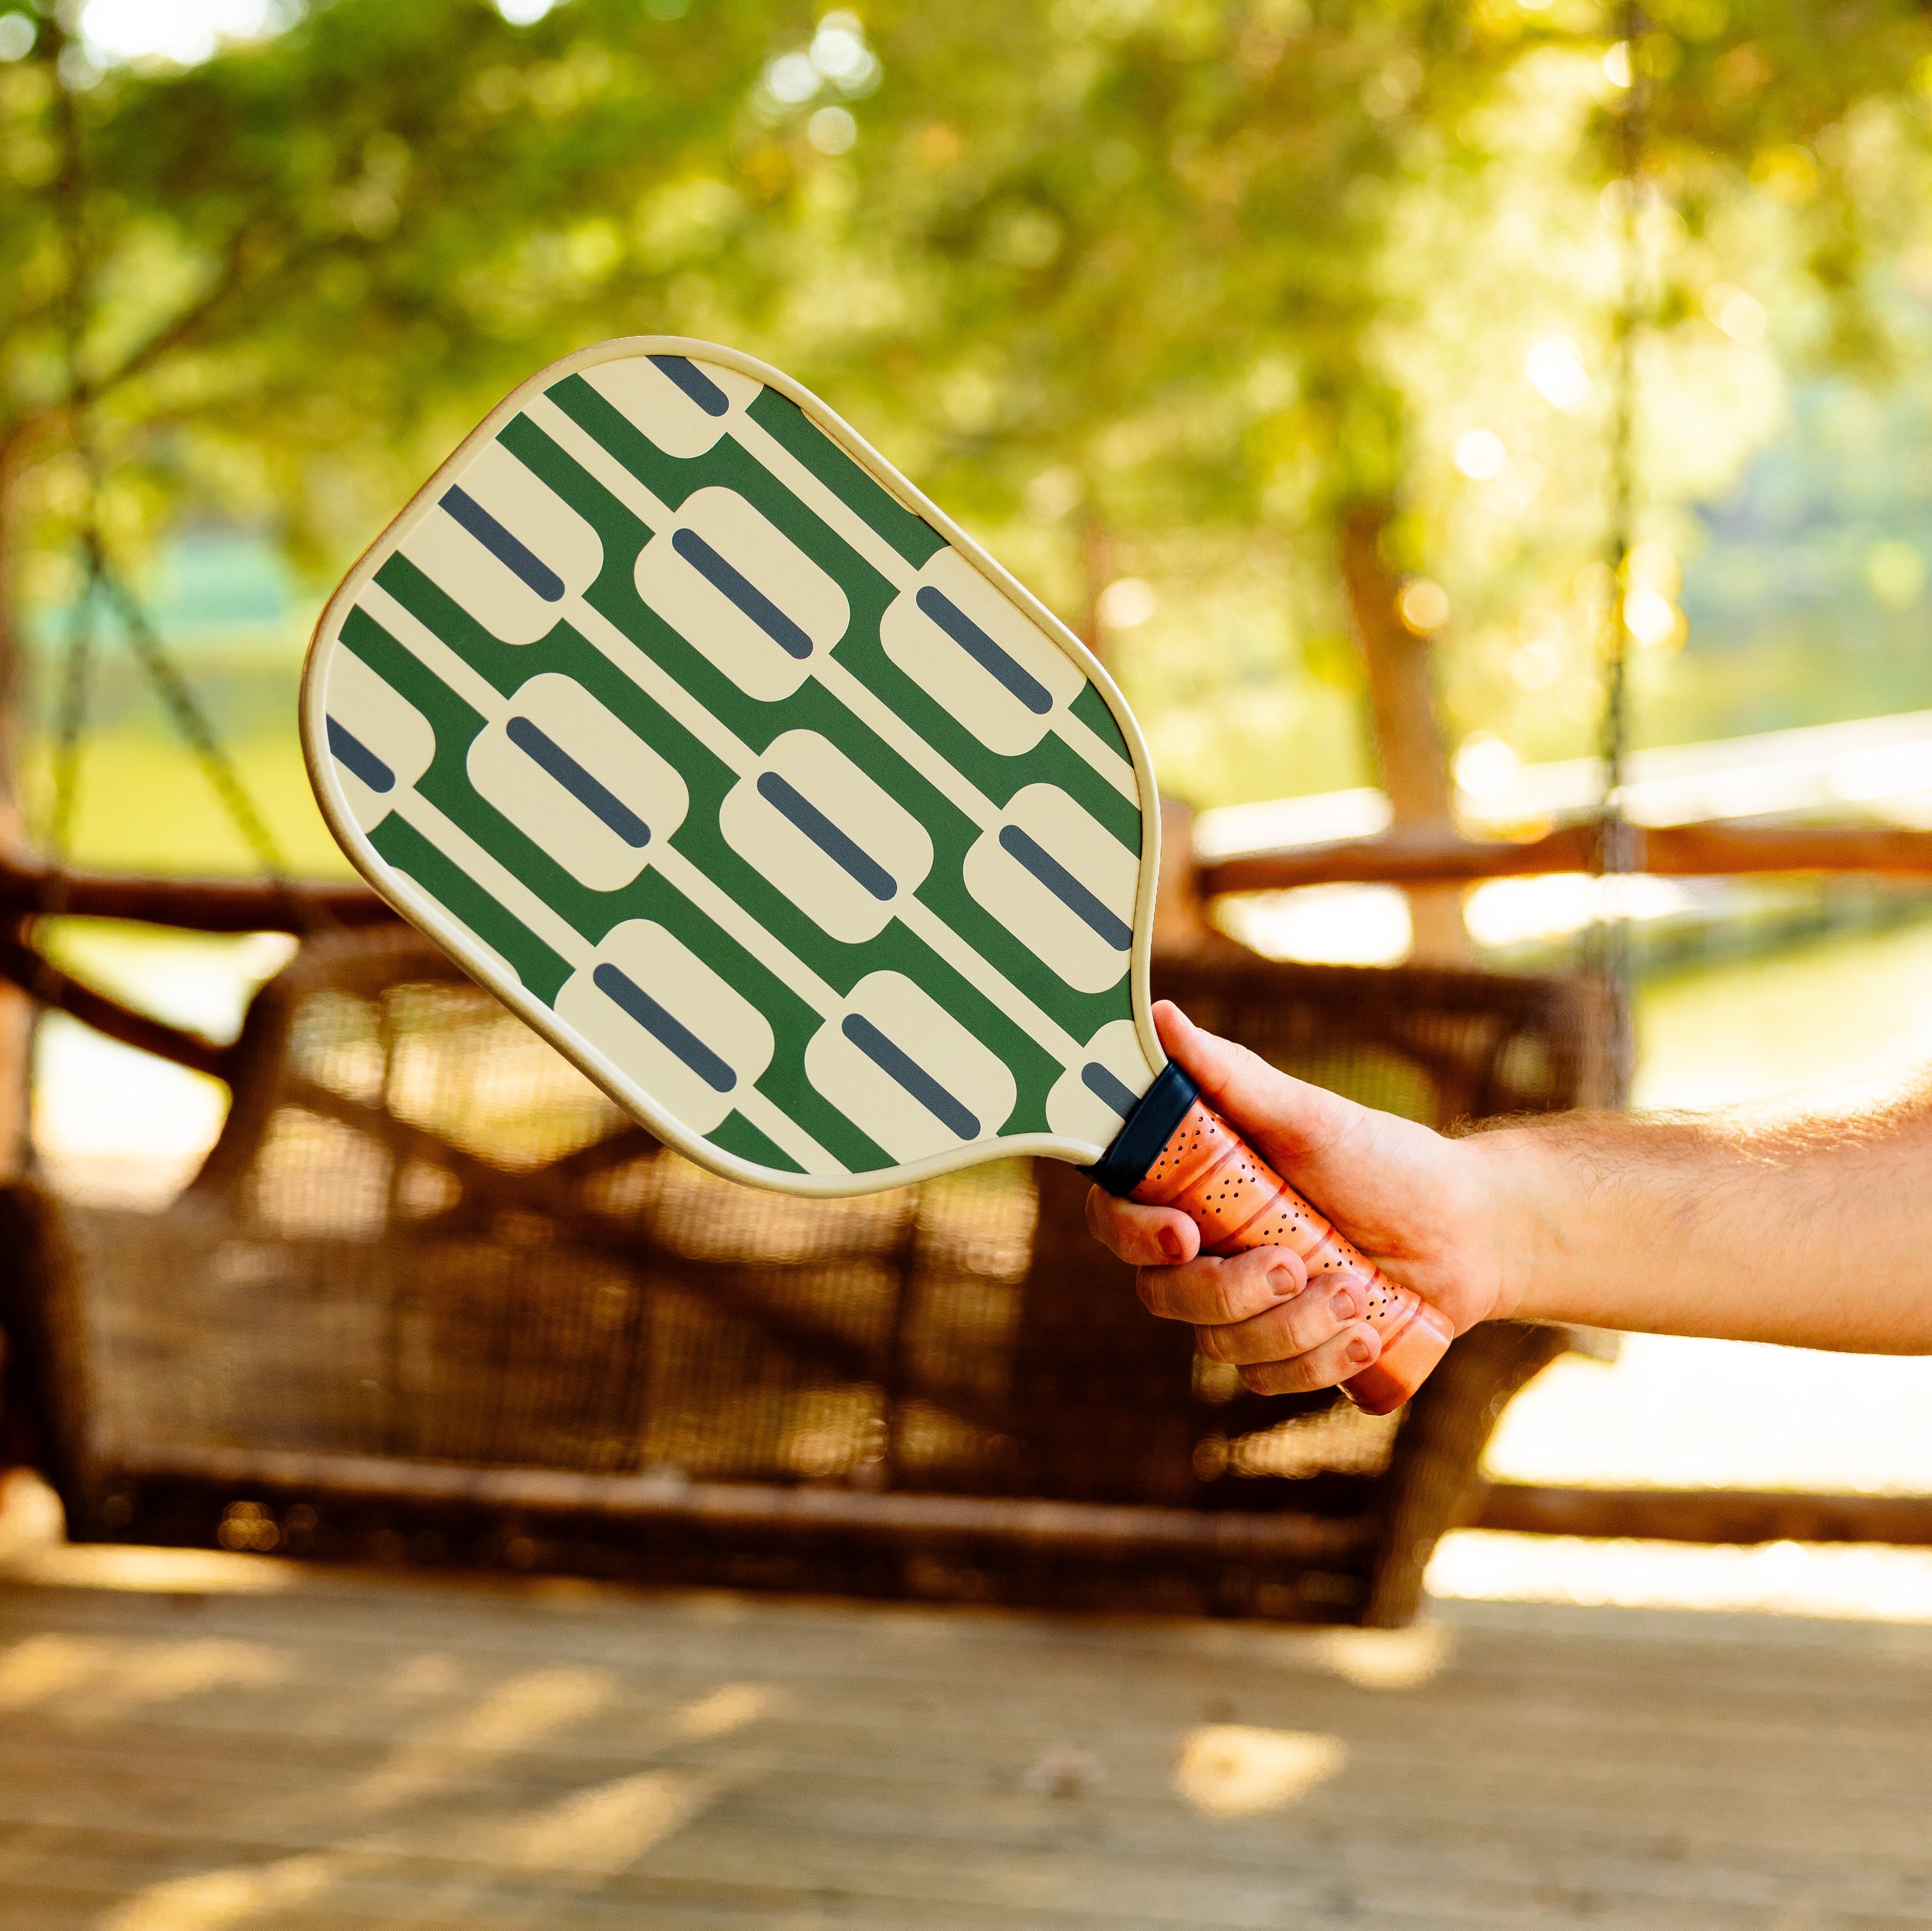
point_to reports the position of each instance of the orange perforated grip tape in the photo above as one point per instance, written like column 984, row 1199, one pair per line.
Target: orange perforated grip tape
column 1239, row 1201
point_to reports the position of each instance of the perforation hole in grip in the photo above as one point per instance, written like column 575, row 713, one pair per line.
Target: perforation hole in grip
column 1240, row 1203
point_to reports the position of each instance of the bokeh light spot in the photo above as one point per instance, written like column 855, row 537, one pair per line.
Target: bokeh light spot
column 1480, row 454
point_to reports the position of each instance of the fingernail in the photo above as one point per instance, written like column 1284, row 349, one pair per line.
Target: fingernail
column 1359, row 1352
column 1281, row 1282
column 1346, row 1302
column 1170, row 1246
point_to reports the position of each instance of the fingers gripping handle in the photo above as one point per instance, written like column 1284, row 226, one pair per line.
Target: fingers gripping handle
column 1239, row 1202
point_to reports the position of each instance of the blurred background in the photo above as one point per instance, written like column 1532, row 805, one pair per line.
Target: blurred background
column 1445, row 422
column 1490, row 442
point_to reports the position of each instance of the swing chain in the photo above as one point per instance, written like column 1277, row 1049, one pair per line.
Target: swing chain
column 101, row 580
column 1619, row 842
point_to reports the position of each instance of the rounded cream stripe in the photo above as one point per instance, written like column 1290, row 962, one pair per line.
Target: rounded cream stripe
column 568, row 943
column 1135, row 782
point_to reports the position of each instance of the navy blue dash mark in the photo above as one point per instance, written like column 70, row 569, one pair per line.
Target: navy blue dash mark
column 996, row 662
column 508, row 549
column 743, row 591
column 1067, row 889
column 359, row 759
column 1104, row 1087
column 544, row 751
column 911, row 1074
column 623, row 990
column 826, row 836
column 695, row 383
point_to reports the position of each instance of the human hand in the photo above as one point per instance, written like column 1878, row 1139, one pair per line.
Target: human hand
column 1423, row 1208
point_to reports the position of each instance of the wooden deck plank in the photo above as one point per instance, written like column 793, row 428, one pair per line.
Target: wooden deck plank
column 1060, row 1893
column 1755, row 1696
column 41, row 1765
column 91, row 1891
column 368, row 1751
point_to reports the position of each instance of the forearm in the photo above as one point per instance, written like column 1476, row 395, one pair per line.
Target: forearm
column 1816, row 1233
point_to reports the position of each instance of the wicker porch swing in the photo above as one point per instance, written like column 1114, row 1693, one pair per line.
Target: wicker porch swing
column 431, row 1298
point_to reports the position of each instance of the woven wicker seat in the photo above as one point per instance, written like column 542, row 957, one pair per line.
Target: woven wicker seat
column 433, row 1296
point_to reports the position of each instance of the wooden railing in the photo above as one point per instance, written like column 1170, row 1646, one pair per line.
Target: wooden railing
column 30, row 890
column 1700, row 1515
column 1675, row 851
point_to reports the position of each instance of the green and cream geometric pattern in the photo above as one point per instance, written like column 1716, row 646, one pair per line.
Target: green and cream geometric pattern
column 739, row 779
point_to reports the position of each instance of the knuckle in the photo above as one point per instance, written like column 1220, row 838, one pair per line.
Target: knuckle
column 1361, row 1346
column 1310, row 1320
column 1242, row 1287
column 1266, row 1337
column 1230, row 1303
column 1278, row 1378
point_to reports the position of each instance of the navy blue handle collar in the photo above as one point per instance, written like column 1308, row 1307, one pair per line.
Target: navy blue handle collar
column 1149, row 1127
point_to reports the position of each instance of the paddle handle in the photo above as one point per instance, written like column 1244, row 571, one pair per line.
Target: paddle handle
column 1239, row 1202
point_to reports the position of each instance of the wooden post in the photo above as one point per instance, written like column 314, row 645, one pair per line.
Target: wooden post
column 1438, row 1452
column 16, row 1009
column 1409, row 742
column 46, row 1396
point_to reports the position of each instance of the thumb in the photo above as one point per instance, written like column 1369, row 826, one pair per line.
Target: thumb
column 1290, row 1118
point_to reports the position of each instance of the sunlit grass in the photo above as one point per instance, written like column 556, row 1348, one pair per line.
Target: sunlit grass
column 144, row 804
column 1835, row 1012
column 1856, row 1582
column 1676, row 1413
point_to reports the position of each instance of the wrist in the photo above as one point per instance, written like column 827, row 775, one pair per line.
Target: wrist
column 1510, row 1219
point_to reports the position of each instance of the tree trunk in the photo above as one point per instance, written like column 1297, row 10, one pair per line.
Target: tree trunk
column 16, row 1009
column 1409, row 742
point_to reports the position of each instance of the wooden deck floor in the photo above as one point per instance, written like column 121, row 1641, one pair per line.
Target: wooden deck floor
column 361, row 1750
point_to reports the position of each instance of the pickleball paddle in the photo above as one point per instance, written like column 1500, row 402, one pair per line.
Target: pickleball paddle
column 691, row 729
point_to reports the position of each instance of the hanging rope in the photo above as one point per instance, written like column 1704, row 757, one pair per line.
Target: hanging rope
column 101, row 582
column 22, row 960
column 193, row 723
column 71, row 721
column 76, row 671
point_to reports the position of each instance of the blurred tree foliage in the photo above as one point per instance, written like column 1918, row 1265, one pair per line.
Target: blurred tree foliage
column 1209, row 297
column 271, row 284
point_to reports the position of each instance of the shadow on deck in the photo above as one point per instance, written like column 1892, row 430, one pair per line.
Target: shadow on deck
column 192, row 1741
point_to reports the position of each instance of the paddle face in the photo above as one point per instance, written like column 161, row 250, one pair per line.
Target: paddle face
column 693, row 731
